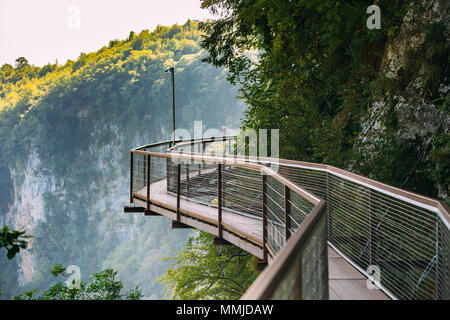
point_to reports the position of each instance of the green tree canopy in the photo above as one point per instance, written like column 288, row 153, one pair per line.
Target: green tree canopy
column 21, row 63
column 317, row 73
column 12, row 241
column 205, row 271
column 103, row 286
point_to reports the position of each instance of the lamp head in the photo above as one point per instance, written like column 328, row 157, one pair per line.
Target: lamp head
column 171, row 69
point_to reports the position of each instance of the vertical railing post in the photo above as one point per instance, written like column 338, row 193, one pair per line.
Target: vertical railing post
column 325, row 261
column 168, row 173
column 329, row 213
column 187, row 180
column 287, row 212
column 224, row 151
column 219, row 199
column 200, row 148
column 264, row 215
column 178, row 190
column 438, row 273
column 131, row 177
column 144, row 168
column 148, row 181
column 203, row 151
column 373, row 228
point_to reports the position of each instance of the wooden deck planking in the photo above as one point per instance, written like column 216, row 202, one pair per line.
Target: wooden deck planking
column 246, row 226
column 345, row 282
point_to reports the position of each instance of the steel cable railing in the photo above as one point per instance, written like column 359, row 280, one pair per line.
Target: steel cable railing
column 233, row 187
column 300, row 270
column 371, row 224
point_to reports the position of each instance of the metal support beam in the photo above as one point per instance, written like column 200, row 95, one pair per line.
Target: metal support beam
column 148, row 181
column 219, row 199
column 178, row 190
column 221, row 242
column 187, row 180
column 329, row 212
column 264, row 216
column 131, row 177
column 373, row 228
column 151, row 213
column 261, row 265
column 287, row 212
column 224, row 151
column 440, row 278
column 168, row 172
column 179, row 225
column 133, row 209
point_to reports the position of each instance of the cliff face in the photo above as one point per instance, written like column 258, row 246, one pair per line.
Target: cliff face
column 412, row 34
column 28, row 208
column 65, row 157
column 46, row 206
column 107, row 195
column 412, row 111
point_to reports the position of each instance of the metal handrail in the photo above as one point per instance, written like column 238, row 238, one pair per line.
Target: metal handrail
column 383, row 206
column 265, row 286
column 268, row 246
column 180, row 142
column 253, row 166
column 439, row 260
column 426, row 202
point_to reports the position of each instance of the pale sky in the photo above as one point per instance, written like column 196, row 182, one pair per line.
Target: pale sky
column 45, row 30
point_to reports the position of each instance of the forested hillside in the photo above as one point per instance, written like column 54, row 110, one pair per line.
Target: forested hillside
column 371, row 101
column 65, row 135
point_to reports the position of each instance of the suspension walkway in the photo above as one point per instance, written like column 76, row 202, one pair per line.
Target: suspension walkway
column 319, row 232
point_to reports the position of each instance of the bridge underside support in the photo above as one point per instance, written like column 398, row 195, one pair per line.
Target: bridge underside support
column 221, row 242
column 133, row 209
column 261, row 265
column 195, row 222
column 180, row 225
column 151, row 213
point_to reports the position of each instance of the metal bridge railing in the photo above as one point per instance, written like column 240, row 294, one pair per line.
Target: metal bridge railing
column 405, row 235
column 248, row 189
column 374, row 225
column 300, row 270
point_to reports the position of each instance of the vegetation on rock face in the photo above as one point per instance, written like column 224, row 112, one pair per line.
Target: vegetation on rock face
column 320, row 72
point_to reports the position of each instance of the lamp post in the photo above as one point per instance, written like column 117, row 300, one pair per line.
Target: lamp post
column 171, row 70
